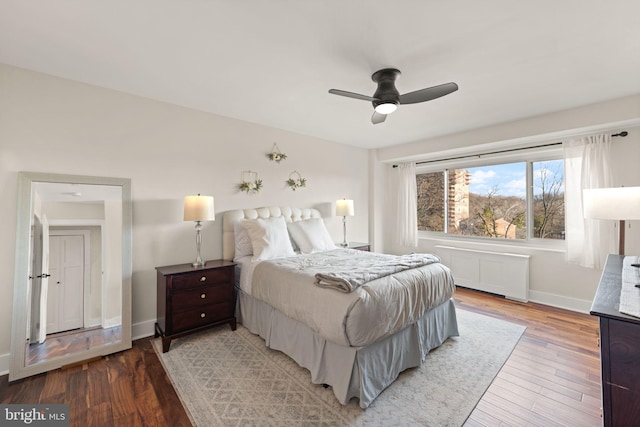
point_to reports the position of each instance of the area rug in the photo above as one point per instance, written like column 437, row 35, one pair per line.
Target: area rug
column 227, row 378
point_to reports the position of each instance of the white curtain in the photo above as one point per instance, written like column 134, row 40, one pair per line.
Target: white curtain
column 406, row 232
column 587, row 163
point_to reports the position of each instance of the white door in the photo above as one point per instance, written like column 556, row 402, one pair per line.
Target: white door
column 65, row 299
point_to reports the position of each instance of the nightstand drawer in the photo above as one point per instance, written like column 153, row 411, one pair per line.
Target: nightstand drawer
column 202, row 278
column 191, row 299
column 185, row 320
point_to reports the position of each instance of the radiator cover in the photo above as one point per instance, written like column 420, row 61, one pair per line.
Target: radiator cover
column 496, row 272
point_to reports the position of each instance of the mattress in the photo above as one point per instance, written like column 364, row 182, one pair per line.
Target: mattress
column 372, row 312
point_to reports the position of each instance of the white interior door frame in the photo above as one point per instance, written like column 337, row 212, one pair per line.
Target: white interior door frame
column 45, row 279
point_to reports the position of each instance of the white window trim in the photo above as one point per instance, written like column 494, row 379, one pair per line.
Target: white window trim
column 547, row 245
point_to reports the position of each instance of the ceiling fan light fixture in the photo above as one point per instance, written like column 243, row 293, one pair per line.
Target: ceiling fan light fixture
column 386, row 107
column 386, row 98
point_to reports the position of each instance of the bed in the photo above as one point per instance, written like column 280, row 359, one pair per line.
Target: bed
column 355, row 334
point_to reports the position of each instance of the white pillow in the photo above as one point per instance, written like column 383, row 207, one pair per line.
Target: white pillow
column 243, row 245
column 269, row 238
column 311, row 235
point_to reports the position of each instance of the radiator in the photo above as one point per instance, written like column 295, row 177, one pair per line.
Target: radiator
column 496, row 272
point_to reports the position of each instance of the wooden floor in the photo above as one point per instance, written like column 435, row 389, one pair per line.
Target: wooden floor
column 125, row 389
column 553, row 375
column 551, row 379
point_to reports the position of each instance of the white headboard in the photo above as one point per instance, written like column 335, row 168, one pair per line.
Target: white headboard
column 231, row 217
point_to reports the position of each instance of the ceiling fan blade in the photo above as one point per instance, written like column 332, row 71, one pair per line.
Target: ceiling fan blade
column 428, row 94
column 378, row 118
column 352, row 95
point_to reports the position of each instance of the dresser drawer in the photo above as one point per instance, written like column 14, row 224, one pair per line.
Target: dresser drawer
column 202, row 278
column 201, row 297
column 185, row 320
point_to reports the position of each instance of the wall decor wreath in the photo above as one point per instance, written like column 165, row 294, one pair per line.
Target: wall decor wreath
column 276, row 155
column 250, row 182
column 296, row 181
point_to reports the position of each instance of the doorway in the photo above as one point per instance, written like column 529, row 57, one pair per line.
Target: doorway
column 65, row 299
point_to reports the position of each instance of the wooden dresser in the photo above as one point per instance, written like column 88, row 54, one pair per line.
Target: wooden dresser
column 191, row 299
column 619, row 350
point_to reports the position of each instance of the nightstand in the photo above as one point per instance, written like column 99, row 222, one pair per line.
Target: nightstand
column 360, row 246
column 191, row 299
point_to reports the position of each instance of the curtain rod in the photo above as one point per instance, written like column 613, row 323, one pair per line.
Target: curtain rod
column 621, row 134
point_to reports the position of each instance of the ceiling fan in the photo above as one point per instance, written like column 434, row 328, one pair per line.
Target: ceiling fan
column 386, row 98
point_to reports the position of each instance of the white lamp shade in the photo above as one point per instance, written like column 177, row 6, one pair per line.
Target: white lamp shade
column 620, row 203
column 344, row 207
column 199, row 208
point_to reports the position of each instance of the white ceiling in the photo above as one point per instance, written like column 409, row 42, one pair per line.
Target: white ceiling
column 272, row 62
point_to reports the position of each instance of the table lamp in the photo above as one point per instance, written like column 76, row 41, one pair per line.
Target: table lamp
column 344, row 208
column 198, row 208
column 620, row 203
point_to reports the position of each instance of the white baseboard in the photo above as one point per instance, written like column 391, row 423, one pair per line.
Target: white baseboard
column 91, row 323
column 143, row 329
column 559, row 301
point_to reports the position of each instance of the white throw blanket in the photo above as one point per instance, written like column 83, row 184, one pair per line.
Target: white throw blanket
column 347, row 276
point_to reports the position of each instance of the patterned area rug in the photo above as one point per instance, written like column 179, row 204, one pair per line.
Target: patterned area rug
column 227, row 378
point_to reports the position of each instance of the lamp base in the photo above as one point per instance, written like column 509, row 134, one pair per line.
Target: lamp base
column 344, row 243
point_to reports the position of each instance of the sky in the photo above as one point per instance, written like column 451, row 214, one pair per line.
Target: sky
column 510, row 179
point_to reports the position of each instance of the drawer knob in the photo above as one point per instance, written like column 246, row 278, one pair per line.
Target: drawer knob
column 202, row 315
column 203, row 296
column 203, row 279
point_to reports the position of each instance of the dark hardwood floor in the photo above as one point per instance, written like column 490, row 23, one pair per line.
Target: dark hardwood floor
column 551, row 379
column 129, row 388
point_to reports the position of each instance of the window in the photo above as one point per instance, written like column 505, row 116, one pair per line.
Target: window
column 430, row 189
column 548, row 199
column 493, row 200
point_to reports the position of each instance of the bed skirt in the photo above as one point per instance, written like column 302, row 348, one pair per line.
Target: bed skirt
column 361, row 372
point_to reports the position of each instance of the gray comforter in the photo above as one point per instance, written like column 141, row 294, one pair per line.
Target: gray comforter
column 374, row 310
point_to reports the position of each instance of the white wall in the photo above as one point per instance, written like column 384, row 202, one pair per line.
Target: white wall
column 54, row 125
column 552, row 280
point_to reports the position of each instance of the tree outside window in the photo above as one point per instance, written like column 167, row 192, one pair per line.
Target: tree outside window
column 548, row 199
